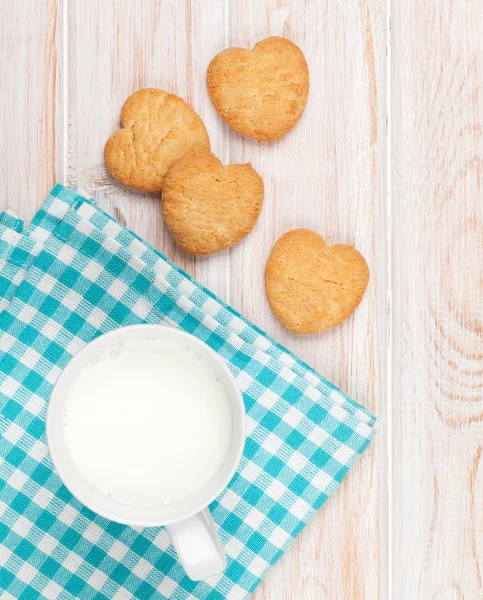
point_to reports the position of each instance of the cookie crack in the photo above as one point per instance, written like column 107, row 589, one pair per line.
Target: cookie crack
column 320, row 280
column 134, row 145
column 334, row 282
column 161, row 104
column 134, row 141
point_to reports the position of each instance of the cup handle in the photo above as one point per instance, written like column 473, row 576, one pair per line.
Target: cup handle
column 198, row 546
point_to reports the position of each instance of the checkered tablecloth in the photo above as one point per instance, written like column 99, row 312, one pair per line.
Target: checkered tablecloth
column 74, row 274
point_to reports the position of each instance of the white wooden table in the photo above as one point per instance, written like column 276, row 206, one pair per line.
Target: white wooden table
column 389, row 157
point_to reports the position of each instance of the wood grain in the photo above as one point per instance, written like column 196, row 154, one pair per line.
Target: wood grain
column 437, row 548
column 28, row 85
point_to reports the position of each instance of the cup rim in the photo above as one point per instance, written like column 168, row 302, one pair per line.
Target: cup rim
column 52, row 433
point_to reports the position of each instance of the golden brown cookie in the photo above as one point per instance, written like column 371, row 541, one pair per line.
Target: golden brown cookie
column 262, row 92
column 158, row 128
column 208, row 207
column 311, row 286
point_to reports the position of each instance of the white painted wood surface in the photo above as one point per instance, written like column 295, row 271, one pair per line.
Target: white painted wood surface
column 28, row 86
column 437, row 275
column 408, row 521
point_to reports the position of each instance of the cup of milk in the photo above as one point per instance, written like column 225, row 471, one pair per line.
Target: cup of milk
column 146, row 426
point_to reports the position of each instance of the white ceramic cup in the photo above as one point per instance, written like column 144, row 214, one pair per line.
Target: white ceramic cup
column 188, row 521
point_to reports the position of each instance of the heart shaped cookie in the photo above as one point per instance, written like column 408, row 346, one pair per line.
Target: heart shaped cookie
column 208, row 207
column 158, row 128
column 311, row 286
column 262, row 92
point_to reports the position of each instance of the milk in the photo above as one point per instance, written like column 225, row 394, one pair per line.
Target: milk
column 147, row 422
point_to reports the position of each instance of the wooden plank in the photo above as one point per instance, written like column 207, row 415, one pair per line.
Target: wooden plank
column 28, row 77
column 114, row 49
column 437, row 113
column 328, row 175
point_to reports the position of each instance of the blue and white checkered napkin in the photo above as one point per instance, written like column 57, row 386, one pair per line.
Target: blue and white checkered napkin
column 76, row 273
